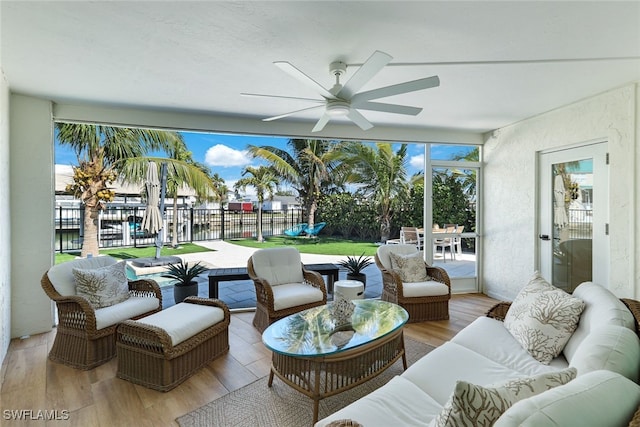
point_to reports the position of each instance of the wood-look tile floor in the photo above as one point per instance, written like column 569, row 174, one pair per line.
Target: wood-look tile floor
column 97, row 398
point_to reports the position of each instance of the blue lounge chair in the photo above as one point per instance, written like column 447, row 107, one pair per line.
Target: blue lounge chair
column 296, row 230
column 315, row 230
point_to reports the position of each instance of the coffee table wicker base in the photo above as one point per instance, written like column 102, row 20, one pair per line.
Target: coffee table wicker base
column 320, row 377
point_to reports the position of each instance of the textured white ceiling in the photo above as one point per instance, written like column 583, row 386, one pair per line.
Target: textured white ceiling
column 498, row 62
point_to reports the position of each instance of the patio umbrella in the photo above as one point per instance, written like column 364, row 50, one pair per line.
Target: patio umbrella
column 152, row 219
column 560, row 218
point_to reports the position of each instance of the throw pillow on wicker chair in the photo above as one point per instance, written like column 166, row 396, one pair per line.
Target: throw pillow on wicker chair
column 411, row 268
column 104, row 286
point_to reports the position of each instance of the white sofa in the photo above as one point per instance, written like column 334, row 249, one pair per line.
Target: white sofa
column 604, row 349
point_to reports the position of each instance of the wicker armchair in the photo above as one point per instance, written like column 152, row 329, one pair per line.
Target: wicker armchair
column 86, row 337
column 283, row 286
column 421, row 304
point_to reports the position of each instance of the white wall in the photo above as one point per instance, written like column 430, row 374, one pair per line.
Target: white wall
column 509, row 232
column 5, row 229
column 31, row 209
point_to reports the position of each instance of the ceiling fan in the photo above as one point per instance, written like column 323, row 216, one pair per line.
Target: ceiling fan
column 345, row 100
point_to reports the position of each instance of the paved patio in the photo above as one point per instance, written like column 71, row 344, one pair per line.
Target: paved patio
column 241, row 293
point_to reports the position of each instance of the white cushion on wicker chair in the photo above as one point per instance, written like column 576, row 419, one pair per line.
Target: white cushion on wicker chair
column 275, row 265
column 132, row 307
column 424, row 289
column 294, row 294
column 61, row 275
column 182, row 321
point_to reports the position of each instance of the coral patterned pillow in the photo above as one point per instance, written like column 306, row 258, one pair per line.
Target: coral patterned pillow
column 474, row 406
column 542, row 318
column 104, row 286
column 411, row 268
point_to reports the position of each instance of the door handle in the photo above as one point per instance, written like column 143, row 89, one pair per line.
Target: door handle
column 544, row 237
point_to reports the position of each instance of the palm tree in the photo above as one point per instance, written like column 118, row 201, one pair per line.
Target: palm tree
column 308, row 166
column 99, row 150
column 380, row 173
column 265, row 181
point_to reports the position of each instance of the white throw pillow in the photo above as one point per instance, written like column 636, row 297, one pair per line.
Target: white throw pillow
column 542, row 318
column 104, row 286
column 475, row 406
column 411, row 268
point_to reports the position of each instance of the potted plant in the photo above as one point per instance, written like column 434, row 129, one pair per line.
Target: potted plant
column 354, row 267
column 185, row 275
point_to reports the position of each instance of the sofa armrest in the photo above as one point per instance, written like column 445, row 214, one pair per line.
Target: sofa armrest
column 499, row 311
column 634, row 308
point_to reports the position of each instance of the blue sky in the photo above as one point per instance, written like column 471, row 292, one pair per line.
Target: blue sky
column 226, row 154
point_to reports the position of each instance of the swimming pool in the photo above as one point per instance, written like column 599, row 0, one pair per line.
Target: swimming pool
column 163, row 282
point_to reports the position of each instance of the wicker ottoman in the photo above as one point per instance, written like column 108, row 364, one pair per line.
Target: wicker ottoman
column 162, row 350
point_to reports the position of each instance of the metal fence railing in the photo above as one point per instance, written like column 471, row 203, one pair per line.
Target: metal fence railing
column 120, row 226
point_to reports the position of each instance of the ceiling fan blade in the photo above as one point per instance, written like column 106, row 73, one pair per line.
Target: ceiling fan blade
column 295, row 98
column 387, row 108
column 398, row 89
column 321, row 123
column 303, row 78
column 370, row 68
column 359, row 119
column 269, row 119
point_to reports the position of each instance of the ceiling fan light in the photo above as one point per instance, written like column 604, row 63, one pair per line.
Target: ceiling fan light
column 338, row 108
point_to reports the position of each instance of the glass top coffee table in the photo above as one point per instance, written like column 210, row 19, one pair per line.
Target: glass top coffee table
column 322, row 351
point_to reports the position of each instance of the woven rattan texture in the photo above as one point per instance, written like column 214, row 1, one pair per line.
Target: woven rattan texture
column 265, row 311
column 420, row 309
column 147, row 357
column 78, row 343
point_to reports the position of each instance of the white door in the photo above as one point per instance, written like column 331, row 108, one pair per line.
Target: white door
column 573, row 216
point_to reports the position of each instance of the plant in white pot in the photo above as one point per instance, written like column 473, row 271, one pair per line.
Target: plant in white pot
column 354, row 266
column 185, row 275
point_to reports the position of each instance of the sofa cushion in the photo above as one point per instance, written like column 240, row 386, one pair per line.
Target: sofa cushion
column 61, row 275
column 294, row 294
column 104, row 286
column 437, row 373
column 473, row 405
column 611, row 347
column 278, row 265
column 596, row 399
column 411, row 268
column 491, row 339
column 128, row 309
column 184, row 320
column 542, row 318
column 397, row 403
column 602, row 308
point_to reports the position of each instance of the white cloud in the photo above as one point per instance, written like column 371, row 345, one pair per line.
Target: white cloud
column 417, row 161
column 222, row 155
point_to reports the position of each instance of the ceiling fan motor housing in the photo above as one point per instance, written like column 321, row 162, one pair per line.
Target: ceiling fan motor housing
column 337, row 107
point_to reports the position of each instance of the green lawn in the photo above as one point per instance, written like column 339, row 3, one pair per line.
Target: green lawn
column 320, row 245
column 128, row 253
